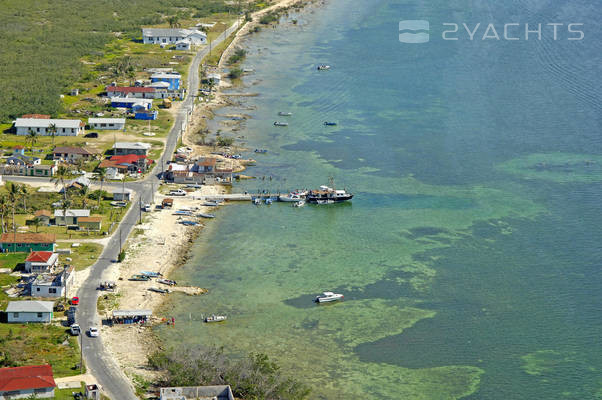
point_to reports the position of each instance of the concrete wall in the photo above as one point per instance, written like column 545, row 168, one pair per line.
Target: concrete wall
column 24, row 394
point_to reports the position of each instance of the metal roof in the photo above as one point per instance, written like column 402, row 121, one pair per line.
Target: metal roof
column 131, row 145
column 132, row 313
column 45, row 123
column 30, row 306
column 72, row 213
column 170, row 32
column 106, row 120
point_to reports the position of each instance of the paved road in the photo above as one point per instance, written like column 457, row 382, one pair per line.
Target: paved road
column 97, row 359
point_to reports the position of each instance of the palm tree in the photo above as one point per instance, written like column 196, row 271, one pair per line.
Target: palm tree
column 84, row 192
column 14, row 191
column 37, row 222
column 174, row 21
column 32, row 138
column 52, row 129
column 24, row 193
column 3, row 210
column 60, row 176
column 102, row 177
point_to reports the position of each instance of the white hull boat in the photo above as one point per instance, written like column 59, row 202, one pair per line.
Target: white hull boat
column 328, row 297
column 216, row 318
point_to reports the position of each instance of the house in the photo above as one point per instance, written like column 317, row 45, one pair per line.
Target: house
column 159, row 85
column 27, row 242
column 64, row 127
column 21, row 160
column 131, row 103
column 41, row 262
column 71, row 154
column 40, row 170
column 219, row 392
column 47, row 285
column 107, row 123
column 29, row 311
column 166, row 36
column 72, row 216
column 172, row 78
column 18, row 150
column 92, row 223
column 44, row 216
column 147, row 115
column 206, row 170
column 183, row 44
column 138, row 92
column 122, row 194
column 125, row 148
column 27, row 382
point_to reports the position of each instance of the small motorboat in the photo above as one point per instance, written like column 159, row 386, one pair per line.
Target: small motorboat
column 327, row 297
column 216, row 318
column 323, row 67
column 189, row 223
column 211, row 204
column 151, row 274
column 285, row 114
column 268, row 201
column 202, row 215
column 257, row 201
column 142, row 278
column 327, row 123
column 183, row 213
column 299, row 203
column 280, row 123
column 261, row 151
column 293, row 196
column 159, row 290
column 167, row 282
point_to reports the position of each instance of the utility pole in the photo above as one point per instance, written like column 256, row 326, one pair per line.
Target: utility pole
column 140, row 208
column 119, row 240
column 81, row 352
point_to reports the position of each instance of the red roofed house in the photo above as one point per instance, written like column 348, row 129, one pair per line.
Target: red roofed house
column 27, row 382
column 36, row 116
column 137, row 92
column 130, row 162
column 41, row 261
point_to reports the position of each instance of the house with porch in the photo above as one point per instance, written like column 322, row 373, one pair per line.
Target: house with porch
column 41, row 262
column 29, row 311
column 71, row 217
column 27, row 242
column 42, row 126
column 34, row 381
column 91, row 223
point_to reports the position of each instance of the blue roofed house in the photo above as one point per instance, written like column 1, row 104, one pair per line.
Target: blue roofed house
column 131, row 103
column 172, row 78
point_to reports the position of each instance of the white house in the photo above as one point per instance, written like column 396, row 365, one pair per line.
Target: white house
column 52, row 285
column 41, row 261
column 107, row 123
column 33, row 381
column 29, row 311
column 64, row 127
column 125, row 148
column 183, row 44
column 172, row 36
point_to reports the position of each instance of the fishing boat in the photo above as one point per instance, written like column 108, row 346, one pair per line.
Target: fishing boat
column 293, row 196
column 167, row 282
column 323, row 67
column 202, row 215
column 142, row 278
column 328, row 195
column 328, row 297
column 216, row 318
column 327, row 123
column 159, row 290
column 285, row 114
column 151, row 274
column 299, row 203
column 280, row 123
column 261, row 151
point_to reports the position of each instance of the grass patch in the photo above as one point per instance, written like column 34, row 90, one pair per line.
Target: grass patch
column 107, row 302
column 39, row 344
column 84, row 255
column 11, row 260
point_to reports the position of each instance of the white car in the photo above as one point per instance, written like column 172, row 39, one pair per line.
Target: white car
column 93, row 331
column 177, row 192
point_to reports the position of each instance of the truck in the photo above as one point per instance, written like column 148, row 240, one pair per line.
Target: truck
column 177, row 192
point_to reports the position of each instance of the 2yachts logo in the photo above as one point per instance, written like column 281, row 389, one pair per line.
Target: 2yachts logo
column 418, row 31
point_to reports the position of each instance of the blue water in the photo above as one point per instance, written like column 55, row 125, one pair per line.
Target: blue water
column 470, row 255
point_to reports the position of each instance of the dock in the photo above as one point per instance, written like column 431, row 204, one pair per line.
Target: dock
column 238, row 197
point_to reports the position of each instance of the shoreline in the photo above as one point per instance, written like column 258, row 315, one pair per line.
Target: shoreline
column 130, row 345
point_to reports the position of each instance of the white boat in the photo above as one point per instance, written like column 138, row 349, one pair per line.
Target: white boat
column 210, row 204
column 268, row 201
column 327, row 297
column 216, row 318
column 293, row 196
column 299, row 203
column 167, row 282
column 285, row 114
column 280, row 123
column 323, row 67
column 257, row 201
column 203, row 215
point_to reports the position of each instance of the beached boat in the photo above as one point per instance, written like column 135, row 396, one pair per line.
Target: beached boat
column 328, row 123
column 280, row 123
column 151, row 274
column 285, row 114
column 203, row 215
column 216, row 318
column 189, row 223
column 183, row 213
column 158, row 290
column 323, row 67
column 293, row 196
column 327, row 297
column 167, row 282
column 328, row 195
column 142, row 278
column 299, row 203
column 261, row 151
column 211, row 204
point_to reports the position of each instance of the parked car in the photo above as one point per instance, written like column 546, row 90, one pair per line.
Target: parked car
column 75, row 301
column 177, row 192
column 75, row 329
column 91, row 135
column 146, row 207
column 194, row 186
column 93, row 331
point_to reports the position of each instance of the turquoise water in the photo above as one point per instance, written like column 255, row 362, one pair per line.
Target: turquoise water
column 470, row 255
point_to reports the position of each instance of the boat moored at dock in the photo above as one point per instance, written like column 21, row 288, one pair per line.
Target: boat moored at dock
column 328, row 195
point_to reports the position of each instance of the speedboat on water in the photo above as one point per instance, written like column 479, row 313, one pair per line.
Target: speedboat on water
column 280, row 123
column 299, row 203
column 323, row 67
column 285, row 114
column 216, row 318
column 327, row 123
column 262, row 151
column 327, row 297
